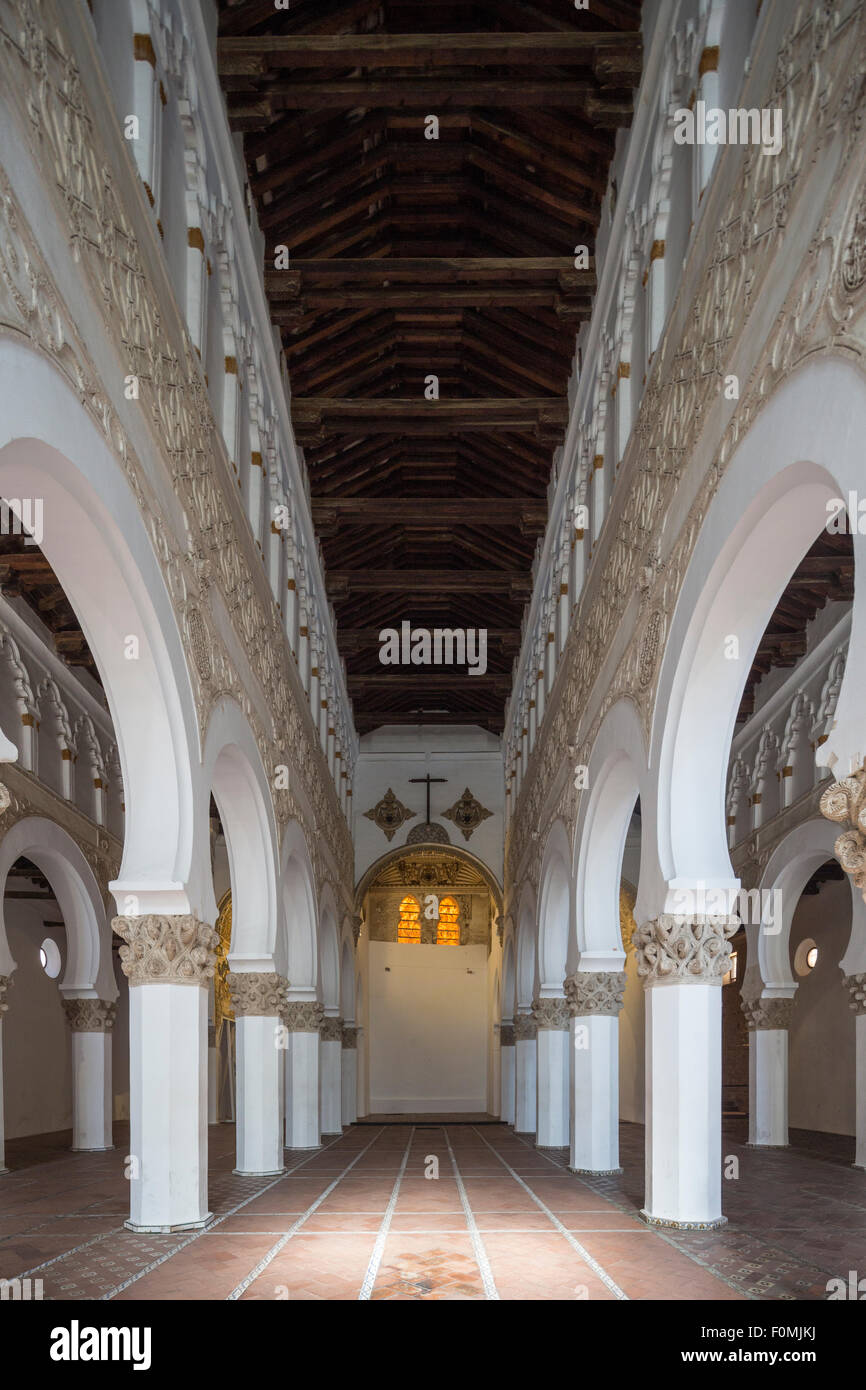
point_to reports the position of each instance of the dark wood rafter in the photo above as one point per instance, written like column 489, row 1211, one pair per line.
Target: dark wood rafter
column 26, row 574
column 411, row 257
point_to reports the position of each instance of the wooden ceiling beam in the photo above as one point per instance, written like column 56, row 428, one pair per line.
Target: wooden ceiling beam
column 425, row 94
column 487, row 512
column 416, row 581
column 261, row 54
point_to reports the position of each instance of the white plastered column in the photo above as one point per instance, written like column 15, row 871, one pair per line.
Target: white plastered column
column 169, row 962
column 525, row 1074
column 595, row 1000
column 257, row 1002
column 4, row 985
column 302, row 1019
column 91, row 1022
column 331, row 1074
column 856, row 985
column 551, row 1017
column 769, row 1020
column 682, row 960
column 506, row 1072
column 349, row 1067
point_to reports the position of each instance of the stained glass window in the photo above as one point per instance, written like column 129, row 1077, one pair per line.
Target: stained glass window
column 409, row 926
column 448, row 933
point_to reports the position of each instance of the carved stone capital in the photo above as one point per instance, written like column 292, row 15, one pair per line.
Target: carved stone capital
column 845, row 803
column 551, row 1015
column 166, row 950
column 524, row 1028
column 331, row 1029
column 591, row 992
column 357, row 923
column 4, row 985
column 257, row 994
column 764, row 1015
column 855, row 984
column 506, row 1035
column 303, row 1015
column 684, row 950
column 350, row 1037
column 90, row 1015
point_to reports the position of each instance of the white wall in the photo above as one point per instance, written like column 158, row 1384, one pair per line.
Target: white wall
column 428, row 1028
column 37, row 1055
column 466, row 756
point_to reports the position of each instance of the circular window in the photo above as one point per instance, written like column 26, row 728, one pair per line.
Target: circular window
column 806, row 956
column 49, row 955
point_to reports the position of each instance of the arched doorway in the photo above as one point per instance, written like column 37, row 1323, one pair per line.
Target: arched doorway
column 430, row 1030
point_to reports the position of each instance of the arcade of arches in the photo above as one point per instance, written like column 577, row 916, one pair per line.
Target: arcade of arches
column 535, row 976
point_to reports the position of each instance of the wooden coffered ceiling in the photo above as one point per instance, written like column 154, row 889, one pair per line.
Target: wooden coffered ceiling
column 412, row 257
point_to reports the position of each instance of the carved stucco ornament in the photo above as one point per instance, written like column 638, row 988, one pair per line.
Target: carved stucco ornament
column 764, row 1015
column 90, row 1015
column 331, row 1029
column 467, row 813
column 506, row 1035
column 595, row 993
column 428, row 833
column 4, row 985
column 389, row 814
column 303, row 1016
column 525, row 1028
column 166, row 950
column 350, row 1037
column 856, row 986
column 551, row 1015
column 684, row 950
column 845, row 803
column 257, row 993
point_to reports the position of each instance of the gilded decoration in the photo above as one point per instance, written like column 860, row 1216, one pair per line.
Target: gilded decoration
column 467, row 813
column 222, row 994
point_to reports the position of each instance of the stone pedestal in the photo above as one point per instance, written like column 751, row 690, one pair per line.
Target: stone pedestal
column 331, row 1074
column 349, row 1068
column 682, row 962
column 594, row 1002
column 525, row 1067
column 551, row 1021
column 302, row 1020
column 257, row 1002
column 768, row 1021
column 91, row 1022
column 168, row 962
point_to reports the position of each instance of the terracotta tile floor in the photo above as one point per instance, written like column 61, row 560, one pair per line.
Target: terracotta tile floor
column 359, row 1219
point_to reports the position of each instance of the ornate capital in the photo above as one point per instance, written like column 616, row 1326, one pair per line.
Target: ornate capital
column 331, row 1029
column 257, row 994
column 856, row 985
column 357, row 923
column 524, row 1028
column 551, row 1015
column 845, row 803
column 350, row 1037
column 166, row 950
column 592, row 992
column 763, row 1015
column 684, row 950
column 303, row 1015
column 90, row 1015
column 4, row 985
column 506, row 1035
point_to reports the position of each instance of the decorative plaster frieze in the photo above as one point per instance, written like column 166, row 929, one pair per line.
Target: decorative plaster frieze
column 166, row 950
column 595, row 992
column 675, row 950
column 350, row 1037
column 765, row 1015
column 257, row 994
column 90, row 1015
